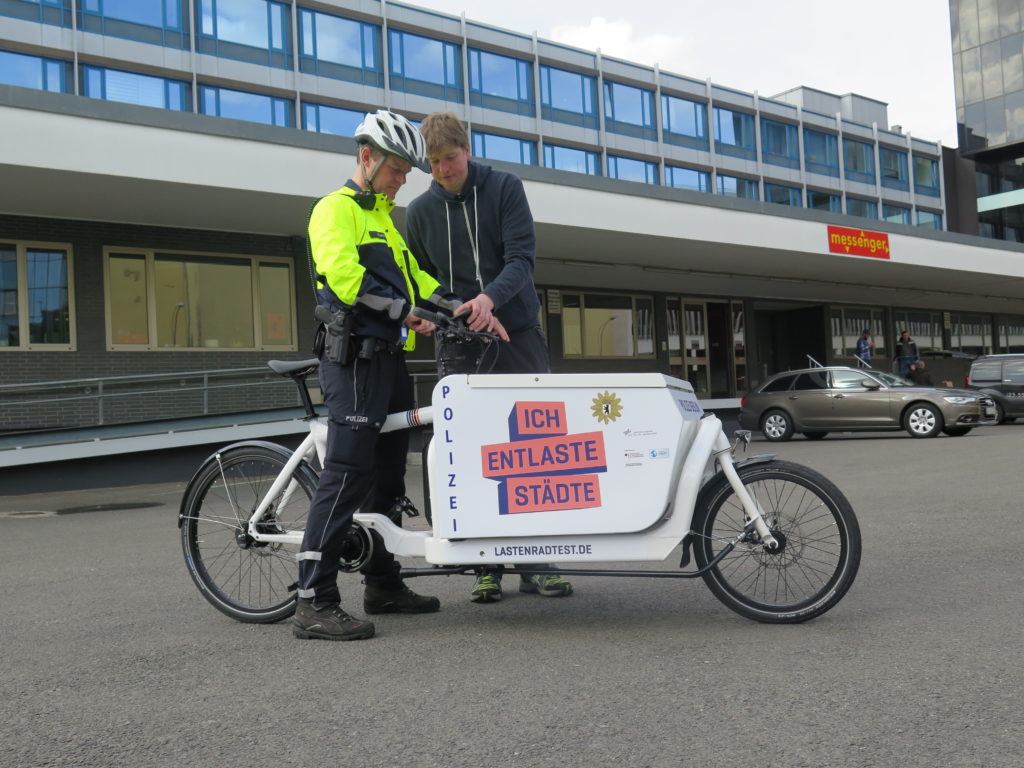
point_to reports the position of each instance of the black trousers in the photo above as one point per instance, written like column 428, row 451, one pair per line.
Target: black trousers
column 362, row 469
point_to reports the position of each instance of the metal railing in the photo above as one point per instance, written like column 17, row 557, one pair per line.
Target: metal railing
column 105, row 391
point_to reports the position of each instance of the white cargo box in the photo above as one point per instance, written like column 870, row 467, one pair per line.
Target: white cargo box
column 555, row 454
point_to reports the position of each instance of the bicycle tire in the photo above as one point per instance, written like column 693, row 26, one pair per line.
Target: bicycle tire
column 246, row 580
column 821, row 543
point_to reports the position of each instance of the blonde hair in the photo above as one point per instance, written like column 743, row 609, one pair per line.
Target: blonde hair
column 443, row 129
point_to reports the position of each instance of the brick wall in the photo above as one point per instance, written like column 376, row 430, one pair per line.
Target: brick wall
column 74, row 406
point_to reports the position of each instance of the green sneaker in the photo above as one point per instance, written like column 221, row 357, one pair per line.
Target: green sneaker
column 546, row 585
column 487, row 588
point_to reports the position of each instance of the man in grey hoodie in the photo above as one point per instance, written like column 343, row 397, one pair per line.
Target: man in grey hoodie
column 473, row 229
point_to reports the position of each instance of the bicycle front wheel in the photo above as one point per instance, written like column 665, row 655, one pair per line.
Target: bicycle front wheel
column 248, row 580
column 819, row 543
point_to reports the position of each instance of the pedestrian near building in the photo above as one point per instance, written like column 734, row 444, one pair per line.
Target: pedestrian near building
column 473, row 226
column 919, row 375
column 906, row 353
column 865, row 346
column 369, row 282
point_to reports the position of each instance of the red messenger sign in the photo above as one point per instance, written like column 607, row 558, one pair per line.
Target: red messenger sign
column 858, row 242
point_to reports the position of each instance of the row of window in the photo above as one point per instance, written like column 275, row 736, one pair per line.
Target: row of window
column 346, row 49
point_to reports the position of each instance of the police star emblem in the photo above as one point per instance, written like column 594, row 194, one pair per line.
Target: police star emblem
column 607, row 407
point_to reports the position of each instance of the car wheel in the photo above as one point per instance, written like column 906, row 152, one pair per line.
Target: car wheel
column 777, row 426
column 815, row 435
column 956, row 431
column 1000, row 414
column 922, row 420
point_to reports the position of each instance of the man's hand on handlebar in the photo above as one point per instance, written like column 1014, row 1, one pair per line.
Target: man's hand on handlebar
column 479, row 313
column 420, row 324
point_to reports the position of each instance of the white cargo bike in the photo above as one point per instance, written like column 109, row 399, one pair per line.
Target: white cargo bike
column 575, row 469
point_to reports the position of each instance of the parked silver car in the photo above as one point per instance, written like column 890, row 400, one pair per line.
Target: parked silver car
column 816, row 401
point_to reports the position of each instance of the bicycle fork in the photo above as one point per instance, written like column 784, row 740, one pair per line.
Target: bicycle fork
column 752, row 512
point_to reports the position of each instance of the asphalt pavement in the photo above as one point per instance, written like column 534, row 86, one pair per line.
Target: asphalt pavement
column 112, row 658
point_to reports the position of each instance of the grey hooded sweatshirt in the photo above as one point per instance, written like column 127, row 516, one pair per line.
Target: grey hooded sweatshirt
column 480, row 241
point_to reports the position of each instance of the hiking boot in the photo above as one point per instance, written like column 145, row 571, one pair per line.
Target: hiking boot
column 546, row 585
column 328, row 622
column 487, row 588
column 399, row 599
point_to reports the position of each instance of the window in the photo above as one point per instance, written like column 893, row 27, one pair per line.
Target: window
column 848, row 380
column 971, row 334
column 687, row 178
column 924, row 327
column 500, row 82
column 242, row 105
column 734, row 133
column 866, row 209
column 814, row 380
column 334, row 120
column 929, row 219
column 733, row 186
column 630, row 169
column 494, row 147
column 1013, row 372
column 568, row 97
column 250, row 30
column 1011, row 334
column 163, row 22
column 821, row 152
column 894, row 168
column 131, row 88
column 824, row 201
column 33, row 72
column 779, row 143
column 847, row 324
column 926, row 176
column 897, row 214
column 569, row 159
column 425, row 66
column 780, row 384
column 36, row 305
column 184, row 301
column 607, row 325
column 629, row 110
column 344, row 49
column 45, row 11
column 988, row 370
column 782, row 195
column 684, row 122
column 859, row 161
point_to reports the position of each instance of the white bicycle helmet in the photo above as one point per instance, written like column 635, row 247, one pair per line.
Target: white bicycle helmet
column 394, row 135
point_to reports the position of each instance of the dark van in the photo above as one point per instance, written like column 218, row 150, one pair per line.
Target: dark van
column 1001, row 377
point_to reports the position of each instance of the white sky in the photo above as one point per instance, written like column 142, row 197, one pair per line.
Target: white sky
column 896, row 51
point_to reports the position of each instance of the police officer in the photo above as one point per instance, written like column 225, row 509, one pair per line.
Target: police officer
column 368, row 282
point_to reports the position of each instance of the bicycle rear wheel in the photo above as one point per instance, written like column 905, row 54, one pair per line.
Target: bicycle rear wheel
column 819, row 539
column 245, row 579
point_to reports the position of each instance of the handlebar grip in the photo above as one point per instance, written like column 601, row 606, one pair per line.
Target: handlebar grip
column 425, row 314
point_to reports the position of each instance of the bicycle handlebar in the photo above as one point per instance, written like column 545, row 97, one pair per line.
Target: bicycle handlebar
column 452, row 328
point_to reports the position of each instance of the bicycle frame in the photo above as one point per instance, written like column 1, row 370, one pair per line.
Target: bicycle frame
column 655, row 542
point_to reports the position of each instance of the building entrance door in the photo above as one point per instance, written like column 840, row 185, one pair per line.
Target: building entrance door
column 705, row 341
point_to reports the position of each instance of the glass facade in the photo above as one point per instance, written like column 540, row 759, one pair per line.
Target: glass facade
column 571, row 159
column 500, row 82
column 629, row 110
column 821, row 152
column 425, row 66
column 897, row 214
column 684, row 122
column 568, row 97
column 779, row 143
column 334, row 120
column 781, row 194
column 243, row 105
column 35, row 301
column 344, row 49
column 130, row 88
column 258, row 31
column 859, row 161
column 494, row 147
column 824, row 201
column 33, row 72
column 857, row 206
column 687, row 178
column 631, row 169
column 893, row 165
column 733, row 186
column 163, row 22
column 734, row 133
